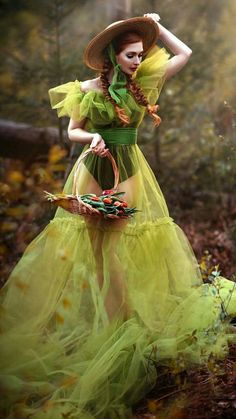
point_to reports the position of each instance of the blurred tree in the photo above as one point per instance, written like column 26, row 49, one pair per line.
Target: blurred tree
column 58, row 64
column 118, row 10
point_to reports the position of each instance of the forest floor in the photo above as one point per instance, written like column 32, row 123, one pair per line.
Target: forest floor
column 200, row 393
column 211, row 229
column 207, row 392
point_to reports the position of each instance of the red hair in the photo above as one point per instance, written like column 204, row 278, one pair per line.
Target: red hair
column 125, row 38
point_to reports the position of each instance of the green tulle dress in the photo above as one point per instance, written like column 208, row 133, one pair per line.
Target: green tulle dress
column 91, row 306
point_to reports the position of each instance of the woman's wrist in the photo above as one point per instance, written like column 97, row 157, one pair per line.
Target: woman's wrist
column 160, row 28
column 95, row 140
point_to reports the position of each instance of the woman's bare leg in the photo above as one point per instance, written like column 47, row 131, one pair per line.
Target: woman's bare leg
column 108, row 265
column 90, row 185
column 117, row 296
column 104, row 236
column 117, row 299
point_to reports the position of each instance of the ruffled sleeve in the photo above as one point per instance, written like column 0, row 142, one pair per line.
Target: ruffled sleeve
column 66, row 99
column 151, row 72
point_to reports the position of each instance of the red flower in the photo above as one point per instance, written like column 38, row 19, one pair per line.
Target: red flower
column 107, row 192
column 107, row 200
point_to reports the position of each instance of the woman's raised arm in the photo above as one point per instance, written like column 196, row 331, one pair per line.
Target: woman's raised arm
column 182, row 51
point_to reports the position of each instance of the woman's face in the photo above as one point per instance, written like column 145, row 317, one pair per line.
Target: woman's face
column 130, row 57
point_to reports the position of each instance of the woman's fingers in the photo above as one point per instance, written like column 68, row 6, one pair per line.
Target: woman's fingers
column 98, row 145
column 154, row 16
column 97, row 138
column 102, row 152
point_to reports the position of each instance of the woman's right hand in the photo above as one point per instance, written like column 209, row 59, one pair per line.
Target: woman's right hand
column 98, row 146
column 153, row 16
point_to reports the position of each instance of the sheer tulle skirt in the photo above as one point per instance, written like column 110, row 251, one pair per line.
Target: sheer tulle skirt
column 93, row 303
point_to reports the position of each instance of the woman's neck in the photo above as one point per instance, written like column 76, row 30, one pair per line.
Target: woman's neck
column 109, row 78
column 110, row 75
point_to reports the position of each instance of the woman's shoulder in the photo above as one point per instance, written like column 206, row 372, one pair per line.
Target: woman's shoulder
column 77, row 87
column 77, row 99
column 91, row 85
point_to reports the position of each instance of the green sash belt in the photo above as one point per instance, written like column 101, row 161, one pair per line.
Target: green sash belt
column 119, row 136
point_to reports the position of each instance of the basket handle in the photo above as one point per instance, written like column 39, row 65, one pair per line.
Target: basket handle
column 81, row 157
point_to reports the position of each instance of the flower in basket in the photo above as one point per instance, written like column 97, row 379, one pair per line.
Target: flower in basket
column 109, row 205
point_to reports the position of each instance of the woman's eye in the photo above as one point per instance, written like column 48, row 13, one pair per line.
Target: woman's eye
column 131, row 56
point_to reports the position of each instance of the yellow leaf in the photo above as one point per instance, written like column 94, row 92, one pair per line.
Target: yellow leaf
column 15, row 177
column 8, row 226
column 48, row 405
column 63, row 254
column 203, row 265
column 4, row 188
column 153, row 406
column 66, row 303
column 7, row 80
column 59, row 318
column 3, row 249
column 16, row 212
column 56, row 153
column 22, row 286
column 58, row 167
column 68, row 381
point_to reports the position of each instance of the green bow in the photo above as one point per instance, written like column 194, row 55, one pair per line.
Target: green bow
column 117, row 88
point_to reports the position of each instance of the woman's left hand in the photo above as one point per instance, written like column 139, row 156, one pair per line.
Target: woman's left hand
column 98, row 146
column 153, row 16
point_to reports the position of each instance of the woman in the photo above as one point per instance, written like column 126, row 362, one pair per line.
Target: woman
column 93, row 302
column 128, row 52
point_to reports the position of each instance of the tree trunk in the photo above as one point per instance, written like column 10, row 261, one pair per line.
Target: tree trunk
column 118, row 10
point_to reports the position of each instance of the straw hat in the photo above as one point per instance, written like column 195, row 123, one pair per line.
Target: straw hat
column 145, row 26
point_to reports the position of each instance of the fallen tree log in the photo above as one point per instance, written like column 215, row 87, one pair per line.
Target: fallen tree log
column 25, row 142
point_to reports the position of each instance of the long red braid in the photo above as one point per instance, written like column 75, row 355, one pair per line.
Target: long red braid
column 105, row 85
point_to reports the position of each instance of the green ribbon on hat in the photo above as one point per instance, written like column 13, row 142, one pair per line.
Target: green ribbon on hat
column 117, row 88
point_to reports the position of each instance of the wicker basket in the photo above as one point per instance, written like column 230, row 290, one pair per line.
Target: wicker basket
column 73, row 203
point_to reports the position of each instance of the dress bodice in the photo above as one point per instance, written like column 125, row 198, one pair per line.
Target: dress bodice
column 69, row 100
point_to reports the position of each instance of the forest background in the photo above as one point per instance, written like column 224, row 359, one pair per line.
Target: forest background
column 192, row 153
